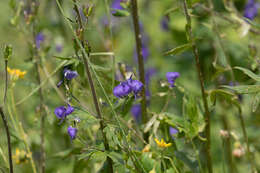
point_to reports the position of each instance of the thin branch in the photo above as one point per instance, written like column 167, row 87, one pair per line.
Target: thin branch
column 201, row 79
column 140, row 62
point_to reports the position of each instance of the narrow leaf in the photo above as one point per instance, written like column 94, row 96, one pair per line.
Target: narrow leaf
column 178, row 50
column 249, row 73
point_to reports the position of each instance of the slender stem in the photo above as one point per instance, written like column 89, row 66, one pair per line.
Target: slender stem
column 201, row 79
column 249, row 155
column 8, row 140
column 93, row 91
column 21, row 130
column 227, row 141
column 40, row 92
column 6, row 80
column 140, row 62
column 197, row 154
column 112, row 44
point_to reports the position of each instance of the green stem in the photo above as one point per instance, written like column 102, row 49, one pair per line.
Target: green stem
column 232, row 167
column 111, row 35
column 8, row 140
column 201, row 79
column 140, row 62
column 249, row 155
column 40, row 92
column 6, row 80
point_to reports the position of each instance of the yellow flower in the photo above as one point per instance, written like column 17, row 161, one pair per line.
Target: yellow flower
column 20, row 156
column 146, row 148
column 16, row 73
column 162, row 143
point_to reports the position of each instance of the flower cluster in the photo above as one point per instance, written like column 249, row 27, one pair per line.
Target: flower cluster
column 62, row 112
column 162, row 144
column 16, row 73
column 126, row 87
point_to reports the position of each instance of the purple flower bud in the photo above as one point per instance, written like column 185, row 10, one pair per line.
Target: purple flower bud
column 173, row 132
column 69, row 74
column 171, row 77
column 72, row 132
column 39, row 39
column 136, row 85
column 165, row 23
column 59, row 48
column 122, row 90
column 137, row 112
column 60, row 83
column 60, row 112
column 251, row 9
column 116, row 5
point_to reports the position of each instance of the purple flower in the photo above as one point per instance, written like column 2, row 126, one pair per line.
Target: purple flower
column 136, row 85
column 72, row 132
column 69, row 74
column 251, row 9
column 173, row 132
column 171, row 77
column 61, row 112
column 122, row 90
column 59, row 48
column 116, row 6
column 137, row 112
column 39, row 39
column 165, row 23
column 69, row 110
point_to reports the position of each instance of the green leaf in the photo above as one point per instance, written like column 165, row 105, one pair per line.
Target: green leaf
column 193, row 121
column 147, row 162
column 63, row 58
column 120, row 13
column 178, row 50
column 244, row 89
column 255, row 102
column 249, row 73
column 226, row 95
column 193, row 165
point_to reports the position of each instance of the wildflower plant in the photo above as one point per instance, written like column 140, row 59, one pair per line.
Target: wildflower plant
column 129, row 86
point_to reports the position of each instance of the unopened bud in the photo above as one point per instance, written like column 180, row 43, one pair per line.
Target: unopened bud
column 8, row 50
column 224, row 134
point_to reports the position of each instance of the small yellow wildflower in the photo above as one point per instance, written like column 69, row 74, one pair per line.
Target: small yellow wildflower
column 16, row 73
column 162, row 143
column 20, row 156
column 146, row 148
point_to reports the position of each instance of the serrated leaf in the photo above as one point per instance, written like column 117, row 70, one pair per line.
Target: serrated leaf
column 249, row 73
column 178, row 50
column 244, row 89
